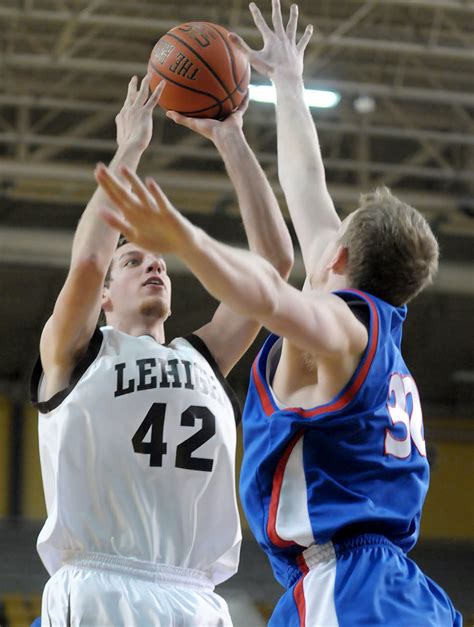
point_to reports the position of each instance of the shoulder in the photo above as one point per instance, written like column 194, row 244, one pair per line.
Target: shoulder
column 45, row 402
column 346, row 319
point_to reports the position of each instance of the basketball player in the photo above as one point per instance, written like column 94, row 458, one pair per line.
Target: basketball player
column 335, row 471
column 137, row 436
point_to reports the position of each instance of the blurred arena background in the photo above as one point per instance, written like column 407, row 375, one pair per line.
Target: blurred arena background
column 404, row 72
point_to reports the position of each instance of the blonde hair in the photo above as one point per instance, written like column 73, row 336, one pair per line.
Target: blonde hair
column 392, row 252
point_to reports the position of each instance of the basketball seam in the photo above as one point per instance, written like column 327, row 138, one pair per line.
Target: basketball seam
column 237, row 87
column 221, row 102
column 197, row 91
column 194, row 111
column 209, row 67
column 229, row 51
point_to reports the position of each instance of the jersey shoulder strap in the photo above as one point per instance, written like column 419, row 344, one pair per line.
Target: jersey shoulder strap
column 198, row 344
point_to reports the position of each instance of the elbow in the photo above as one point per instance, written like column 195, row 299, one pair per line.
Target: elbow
column 284, row 264
column 89, row 267
column 281, row 256
column 269, row 296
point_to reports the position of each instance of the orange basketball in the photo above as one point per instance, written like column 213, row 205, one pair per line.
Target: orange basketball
column 207, row 75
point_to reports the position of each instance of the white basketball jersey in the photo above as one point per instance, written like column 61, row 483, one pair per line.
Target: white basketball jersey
column 138, row 457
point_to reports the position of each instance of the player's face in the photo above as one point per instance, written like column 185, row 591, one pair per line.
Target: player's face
column 139, row 283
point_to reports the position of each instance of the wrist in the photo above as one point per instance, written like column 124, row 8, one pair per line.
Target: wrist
column 190, row 241
column 128, row 152
column 224, row 134
column 230, row 141
column 287, row 79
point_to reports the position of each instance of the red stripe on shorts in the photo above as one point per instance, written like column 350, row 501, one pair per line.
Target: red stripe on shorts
column 298, row 592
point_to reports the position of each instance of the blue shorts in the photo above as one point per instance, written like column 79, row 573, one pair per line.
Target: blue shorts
column 364, row 581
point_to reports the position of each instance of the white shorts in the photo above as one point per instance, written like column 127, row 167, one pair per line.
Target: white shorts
column 108, row 595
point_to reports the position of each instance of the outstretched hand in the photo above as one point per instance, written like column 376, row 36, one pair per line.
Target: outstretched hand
column 210, row 128
column 281, row 53
column 144, row 214
column 135, row 119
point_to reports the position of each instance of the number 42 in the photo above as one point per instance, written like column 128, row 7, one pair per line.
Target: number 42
column 156, row 448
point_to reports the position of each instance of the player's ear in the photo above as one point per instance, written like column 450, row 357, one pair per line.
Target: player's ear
column 339, row 261
column 106, row 300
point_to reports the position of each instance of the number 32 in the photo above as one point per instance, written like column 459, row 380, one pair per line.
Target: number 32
column 400, row 388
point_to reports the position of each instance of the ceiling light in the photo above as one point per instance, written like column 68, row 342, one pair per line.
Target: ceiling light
column 319, row 98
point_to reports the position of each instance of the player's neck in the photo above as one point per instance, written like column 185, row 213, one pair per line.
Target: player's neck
column 141, row 325
column 335, row 282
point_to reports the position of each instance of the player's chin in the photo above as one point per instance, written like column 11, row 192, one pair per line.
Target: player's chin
column 156, row 306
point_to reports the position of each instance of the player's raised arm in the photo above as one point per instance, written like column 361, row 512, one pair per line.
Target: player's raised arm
column 245, row 282
column 300, row 164
column 264, row 225
column 68, row 331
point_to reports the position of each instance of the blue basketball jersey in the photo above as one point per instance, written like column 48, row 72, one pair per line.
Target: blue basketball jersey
column 356, row 465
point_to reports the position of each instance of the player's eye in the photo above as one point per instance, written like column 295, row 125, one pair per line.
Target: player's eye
column 133, row 261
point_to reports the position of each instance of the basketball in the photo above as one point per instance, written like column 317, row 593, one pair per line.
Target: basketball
column 207, row 75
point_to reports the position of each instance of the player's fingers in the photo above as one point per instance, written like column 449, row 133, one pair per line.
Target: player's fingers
column 131, row 91
column 114, row 220
column 143, row 91
column 154, row 99
column 137, row 186
column 245, row 103
column 303, row 42
column 182, row 119
column 277, row 18
column 160, row 197
column 292, row 23
column 241, row 44
column 118, row 194
column 260, row 22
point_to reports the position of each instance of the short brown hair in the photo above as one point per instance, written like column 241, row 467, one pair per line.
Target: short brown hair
column 392, row 252
column 108, row 277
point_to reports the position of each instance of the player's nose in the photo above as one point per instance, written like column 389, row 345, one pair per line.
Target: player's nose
column 153, row 265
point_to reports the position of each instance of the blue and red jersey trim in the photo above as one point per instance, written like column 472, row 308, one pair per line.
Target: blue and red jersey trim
column 275, row 497
column 343, row 398
column 341, row 401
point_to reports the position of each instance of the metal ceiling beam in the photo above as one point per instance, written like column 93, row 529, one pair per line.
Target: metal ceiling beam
column 52, row 248
column 161, row 26
column 321, row 53
column 418, row 94
column 462, row 6
column 403, row 118
column 109, row 68
column 85, row 126
column 210, row 154
column 110, row 21
column 55, row 171
column 66, row 104
column 398, row 47
column 80, row 106
column 400, row 170
column 199, row 182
